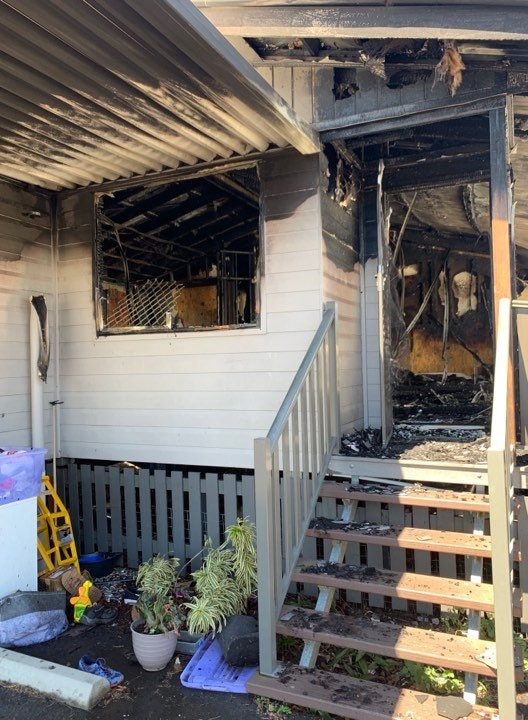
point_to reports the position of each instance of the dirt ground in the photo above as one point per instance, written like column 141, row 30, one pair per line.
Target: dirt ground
column 142, row 696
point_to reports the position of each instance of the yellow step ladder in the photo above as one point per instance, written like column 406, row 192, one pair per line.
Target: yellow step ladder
column 55, row 541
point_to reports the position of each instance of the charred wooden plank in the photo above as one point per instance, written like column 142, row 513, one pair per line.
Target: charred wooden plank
column 402, row 537
column 358, row 632
column 410, row 586
column 352, row 698
column 408, row 495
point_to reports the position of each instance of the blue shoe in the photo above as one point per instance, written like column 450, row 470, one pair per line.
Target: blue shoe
column 98, row 666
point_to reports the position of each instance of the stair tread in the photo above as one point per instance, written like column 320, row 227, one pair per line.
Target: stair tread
column 349, row 697
column 424, row 645
column 407, row 495
column 404, row 537
column 407, row 585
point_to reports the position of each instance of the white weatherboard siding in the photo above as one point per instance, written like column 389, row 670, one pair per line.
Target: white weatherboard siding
column 195, row 398
column 344, row 287
column 25, row 269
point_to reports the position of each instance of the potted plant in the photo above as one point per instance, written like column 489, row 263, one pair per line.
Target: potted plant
column 155, row 633
column 225, row 581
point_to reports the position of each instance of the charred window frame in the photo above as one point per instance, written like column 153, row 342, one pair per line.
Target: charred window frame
column 181, row 256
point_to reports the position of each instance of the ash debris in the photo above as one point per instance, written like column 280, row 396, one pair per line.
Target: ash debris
column 343, row 570
column 415, row 442
column 365, row 528
column 455, row 400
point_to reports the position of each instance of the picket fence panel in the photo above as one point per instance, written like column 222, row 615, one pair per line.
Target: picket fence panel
column 141, row 512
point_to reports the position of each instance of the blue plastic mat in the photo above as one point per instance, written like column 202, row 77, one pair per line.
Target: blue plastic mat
column 208, row 670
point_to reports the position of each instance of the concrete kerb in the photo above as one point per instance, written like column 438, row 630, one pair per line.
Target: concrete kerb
column 68, row 685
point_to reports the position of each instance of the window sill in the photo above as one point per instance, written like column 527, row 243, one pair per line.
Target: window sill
column 184, row 334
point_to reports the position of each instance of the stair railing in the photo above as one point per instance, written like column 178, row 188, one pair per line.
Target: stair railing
column 290, row 466
column 500, row 471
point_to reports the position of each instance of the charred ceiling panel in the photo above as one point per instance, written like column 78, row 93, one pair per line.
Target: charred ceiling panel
column 184, row 255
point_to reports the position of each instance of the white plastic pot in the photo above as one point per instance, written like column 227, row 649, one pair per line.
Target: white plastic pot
column 153, row 652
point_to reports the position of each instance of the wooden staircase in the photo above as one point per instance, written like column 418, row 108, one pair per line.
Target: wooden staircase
column 291, row 465
column 358, row 699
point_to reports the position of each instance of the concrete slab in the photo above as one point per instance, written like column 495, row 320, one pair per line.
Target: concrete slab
column 73, row 687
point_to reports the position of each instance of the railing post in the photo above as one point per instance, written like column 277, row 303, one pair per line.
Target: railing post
column 266, row 567
column 281, row 525
column 500, row 456
column 335, row 409
column 500, row 510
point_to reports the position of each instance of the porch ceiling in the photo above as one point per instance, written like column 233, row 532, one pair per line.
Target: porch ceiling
column 98, row 90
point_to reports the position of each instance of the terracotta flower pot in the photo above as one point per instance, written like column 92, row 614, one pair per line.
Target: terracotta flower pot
column 153, row 652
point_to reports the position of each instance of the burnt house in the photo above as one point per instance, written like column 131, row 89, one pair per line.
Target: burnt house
column 256, row 227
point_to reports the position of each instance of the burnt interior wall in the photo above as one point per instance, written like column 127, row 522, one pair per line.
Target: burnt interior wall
column 339, row 197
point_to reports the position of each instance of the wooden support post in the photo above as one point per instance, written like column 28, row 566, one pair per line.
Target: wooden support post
column 501, row 242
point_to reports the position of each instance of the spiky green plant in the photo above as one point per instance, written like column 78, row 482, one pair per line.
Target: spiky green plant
column 158, row 575
column 157, row 578
column 241, row 536
column 225, row 581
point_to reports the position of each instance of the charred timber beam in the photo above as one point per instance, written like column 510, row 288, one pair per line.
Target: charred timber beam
column 135, row 210
column 225, row 183
column 209, row 225
column 353, row 59
column 475, row 128
column 454, row 152
column 411, row 115
column 136, row 235
column 177, row 215
column 418, row 241
column 134, row 261
column 464, row 22
column 437, row 172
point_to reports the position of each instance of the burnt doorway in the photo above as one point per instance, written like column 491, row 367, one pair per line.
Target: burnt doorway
column 428, row 188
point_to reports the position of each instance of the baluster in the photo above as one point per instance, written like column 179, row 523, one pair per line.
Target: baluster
column 296, row 475
column 287, row 504
column 321, row 445
column 313, row 429
column 327, row 393
column 305, row 461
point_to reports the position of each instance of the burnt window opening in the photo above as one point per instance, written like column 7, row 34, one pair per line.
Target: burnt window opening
column 181, row 256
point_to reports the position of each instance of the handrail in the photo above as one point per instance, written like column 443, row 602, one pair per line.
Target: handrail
column 500, row 462
column 300, row 376
column 290, row 466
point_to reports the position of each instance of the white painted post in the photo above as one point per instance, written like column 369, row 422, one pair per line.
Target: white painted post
column 335, row 410
column 265, row 522
column 500, row 500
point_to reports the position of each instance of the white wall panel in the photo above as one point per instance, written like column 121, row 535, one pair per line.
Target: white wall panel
column 193, row 398
column 25, row 269
column 343, row 287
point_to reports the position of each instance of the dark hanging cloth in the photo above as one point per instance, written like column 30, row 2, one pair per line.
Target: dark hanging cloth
column 39, row 304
